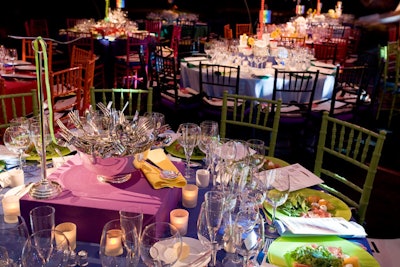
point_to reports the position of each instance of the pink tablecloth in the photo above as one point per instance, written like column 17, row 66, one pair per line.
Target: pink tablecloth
column 90, row 203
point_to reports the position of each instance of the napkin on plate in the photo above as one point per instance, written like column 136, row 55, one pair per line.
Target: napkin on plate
column 153, row 174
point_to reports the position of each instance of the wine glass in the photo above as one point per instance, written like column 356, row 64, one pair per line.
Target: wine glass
column 42, row 217
column 13, row 56
column 248, row 233
column 209, row 132
column 277, row 186
column 35, row 130
column 160, row 244
column 118, row 247
column 16, row 139
column 46, row 247
column 189, row 137
column 214, row 209
column 158, row 120
column 13, row 237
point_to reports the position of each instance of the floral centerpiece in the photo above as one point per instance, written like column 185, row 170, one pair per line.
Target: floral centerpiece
column 170, row 16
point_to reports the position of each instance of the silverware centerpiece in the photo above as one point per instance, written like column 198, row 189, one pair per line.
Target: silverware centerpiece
column 107, row 141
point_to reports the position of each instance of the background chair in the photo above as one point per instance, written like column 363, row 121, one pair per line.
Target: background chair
column 325, row 52
column 214, row 79
column 66, row 91
column 259, row 118
column 228, row 32
column 154, row 29
column 391, row 78
column 86, row 41
column 140, row 100
column 243, row 28
column 17, row 105
column 297, row 90
column 342, row 144
column 130, row 68
column 181, row 103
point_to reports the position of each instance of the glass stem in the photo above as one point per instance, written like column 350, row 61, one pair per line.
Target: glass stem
column 214, row 254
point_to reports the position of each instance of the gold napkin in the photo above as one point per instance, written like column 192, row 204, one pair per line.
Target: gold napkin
column 153, row 174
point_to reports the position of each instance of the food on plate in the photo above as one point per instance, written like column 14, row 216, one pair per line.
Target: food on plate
column 185, row 250
column 314, row 255
column 269, row 164
column 311, row 206
column 196, row 151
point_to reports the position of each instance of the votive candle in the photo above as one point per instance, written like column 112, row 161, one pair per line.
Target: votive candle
column 180, row 219
column 69, row 230
column 11, row 209
column 189, row 195
column 114, row 243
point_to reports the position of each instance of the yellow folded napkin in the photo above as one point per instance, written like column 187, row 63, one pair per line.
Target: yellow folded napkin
column 153, row 174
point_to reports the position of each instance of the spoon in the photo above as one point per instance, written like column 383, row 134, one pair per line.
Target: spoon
column 167, row 174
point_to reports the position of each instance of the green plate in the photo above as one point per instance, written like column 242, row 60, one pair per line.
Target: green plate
column 50, row 152
column 282, row 245
column 176, row 150
column 341, row 209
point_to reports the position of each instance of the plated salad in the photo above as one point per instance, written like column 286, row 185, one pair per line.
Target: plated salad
column 311, row 206
column 314, row 255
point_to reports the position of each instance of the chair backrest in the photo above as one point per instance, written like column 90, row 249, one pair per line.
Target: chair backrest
column 259, row 115
column 167, row 77
column 188, row 28
column 342, row 143
column 80, row 39
column 154, row 28
column 391, row 70
column 72, row 22
column 66, row 89
column 15, row 105
column 28, row 54
column 243, row 28
column 80, row 56
column 175, row 39
column 88, row 81
column 214, row 79
column 228, row 32
column 341, row 49
column 325, row 52
column 295, row 88
column 140, row 100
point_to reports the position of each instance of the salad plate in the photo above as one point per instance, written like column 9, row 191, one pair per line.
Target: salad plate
column 284, row 245
column 341, row 208
column 176, row 150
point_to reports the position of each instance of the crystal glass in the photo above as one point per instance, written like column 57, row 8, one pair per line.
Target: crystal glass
column 209, row 133
column 161, row 244
column 117, row 246
column 13, row 56
column 46, row 248
column 214, row 209
column 277, row 192
column 42, row 217
column 189, row 137
column 16, row 139
column 13, row 237
column 248, row 234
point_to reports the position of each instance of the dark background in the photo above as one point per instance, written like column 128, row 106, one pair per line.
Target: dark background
column 15, row 12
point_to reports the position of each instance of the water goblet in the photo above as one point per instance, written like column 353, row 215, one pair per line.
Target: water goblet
column 13, row 237
column 248, row 233
column 277, row 186
column 189, row 137
column 160, row 244
column 46, row 247
column 16, row 139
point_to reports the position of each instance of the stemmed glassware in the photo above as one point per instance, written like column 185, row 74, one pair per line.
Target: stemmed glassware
column 277, row 191
column 160, row 244
column 248, row 233
column 209, row 133
column 13, row 56
column 46, row 247
column 189, row 137
column 16, row 139
column 13, row 237
column 214, row 209
column 42, row 217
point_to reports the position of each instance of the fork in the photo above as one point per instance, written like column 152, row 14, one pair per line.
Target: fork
column 103, row 109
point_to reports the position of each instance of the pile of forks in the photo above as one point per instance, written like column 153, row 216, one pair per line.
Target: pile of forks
column 108, row 134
